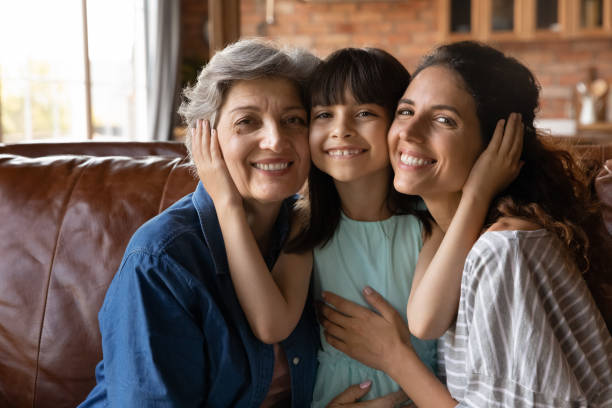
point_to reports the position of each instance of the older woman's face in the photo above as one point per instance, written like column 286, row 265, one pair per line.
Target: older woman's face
column 435, row 137
column 263, row 135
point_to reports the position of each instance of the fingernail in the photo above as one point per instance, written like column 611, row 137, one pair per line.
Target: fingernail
column 368, row 290
column 365, row 384
column 324, row 295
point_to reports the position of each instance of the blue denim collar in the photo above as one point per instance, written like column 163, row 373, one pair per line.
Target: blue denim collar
column 209, row 222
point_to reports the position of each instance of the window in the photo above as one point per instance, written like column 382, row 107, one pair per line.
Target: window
column 44, row 92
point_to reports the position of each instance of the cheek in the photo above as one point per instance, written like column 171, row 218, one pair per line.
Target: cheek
column 302, row 149
column 235, row 158
column 314, row 143
column 392, row 147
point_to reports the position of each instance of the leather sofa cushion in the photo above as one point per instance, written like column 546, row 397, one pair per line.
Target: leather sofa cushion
column 65, row 223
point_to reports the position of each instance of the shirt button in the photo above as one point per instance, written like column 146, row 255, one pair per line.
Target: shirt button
column 296, row 360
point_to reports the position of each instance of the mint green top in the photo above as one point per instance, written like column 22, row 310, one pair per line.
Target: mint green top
column 383, row 255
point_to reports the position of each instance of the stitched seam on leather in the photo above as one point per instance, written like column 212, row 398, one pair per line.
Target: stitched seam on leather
column 42, row 321
column 165, row 189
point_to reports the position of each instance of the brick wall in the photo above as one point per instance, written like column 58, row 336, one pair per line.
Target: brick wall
column 194, row 44
column 408, row 29
column 194, row 14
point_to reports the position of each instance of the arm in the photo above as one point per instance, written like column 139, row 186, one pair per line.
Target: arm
column 272, row 302
column 154, row 351
column 382, row 341
column 434, row 298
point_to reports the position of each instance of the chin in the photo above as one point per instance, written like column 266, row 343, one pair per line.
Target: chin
column 275, row 195
column 405, row 187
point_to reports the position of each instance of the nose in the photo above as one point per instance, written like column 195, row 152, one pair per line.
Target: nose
column 410, row 129
column 274, row 138
column 341, row 128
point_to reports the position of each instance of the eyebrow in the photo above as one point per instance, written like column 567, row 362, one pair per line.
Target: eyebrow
column 257, row 108
column 439, row 107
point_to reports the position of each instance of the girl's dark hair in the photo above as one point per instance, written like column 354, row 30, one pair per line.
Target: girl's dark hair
column 371, row 75
column 552, row 189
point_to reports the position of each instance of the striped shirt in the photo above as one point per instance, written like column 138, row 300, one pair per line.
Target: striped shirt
column 528, row 333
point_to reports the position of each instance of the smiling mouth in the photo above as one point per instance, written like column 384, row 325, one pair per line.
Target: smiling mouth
column 344, row 152
column 272, row 166
column 415, row 161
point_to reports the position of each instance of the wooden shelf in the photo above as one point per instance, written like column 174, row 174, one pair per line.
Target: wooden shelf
column 596, row 127
column 524, row 23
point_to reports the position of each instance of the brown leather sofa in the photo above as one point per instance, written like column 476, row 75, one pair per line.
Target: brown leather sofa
column 67, row 212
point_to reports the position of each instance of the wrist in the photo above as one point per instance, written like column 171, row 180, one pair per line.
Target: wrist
column 476, row 200
column 229, row 207
column 399, row 360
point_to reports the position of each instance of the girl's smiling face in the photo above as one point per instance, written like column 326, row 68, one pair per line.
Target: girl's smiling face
column 348, row 140
column 435, row 137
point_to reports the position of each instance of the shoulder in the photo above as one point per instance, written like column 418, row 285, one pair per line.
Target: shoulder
column 169, row 249
column 508, row 252
column 157, row 233
column 513, row 224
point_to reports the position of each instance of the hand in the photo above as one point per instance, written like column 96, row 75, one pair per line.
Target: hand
column 211, row 166
column 352, row 394
column 499, row 164
column 363, row 334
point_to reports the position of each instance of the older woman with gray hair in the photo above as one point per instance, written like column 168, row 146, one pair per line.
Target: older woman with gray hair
column 173, row 331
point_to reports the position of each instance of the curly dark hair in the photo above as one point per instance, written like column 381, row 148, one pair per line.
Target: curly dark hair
column 553, row 189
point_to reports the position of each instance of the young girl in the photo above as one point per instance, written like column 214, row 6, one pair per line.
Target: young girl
column 362, row 231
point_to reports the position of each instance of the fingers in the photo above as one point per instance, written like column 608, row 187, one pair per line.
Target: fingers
column 215, row 149
column 344, row 306
column 333, row 316
column 396, row 398
column 196, row 139
column 497, row 137
column 335, row 342
column 351, row 394
column 379, row 303
column 517, row 146
column 512, row 136
column 200, row 140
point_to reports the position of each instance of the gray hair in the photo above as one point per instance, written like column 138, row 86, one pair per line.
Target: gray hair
column 243, row 60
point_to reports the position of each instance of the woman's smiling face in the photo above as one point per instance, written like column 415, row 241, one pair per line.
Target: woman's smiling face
column 435, row 137
column 263, row 135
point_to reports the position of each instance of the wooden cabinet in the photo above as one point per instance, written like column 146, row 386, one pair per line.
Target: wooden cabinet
column 500, row 20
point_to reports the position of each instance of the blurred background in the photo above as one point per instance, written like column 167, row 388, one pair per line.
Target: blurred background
column 74, row 70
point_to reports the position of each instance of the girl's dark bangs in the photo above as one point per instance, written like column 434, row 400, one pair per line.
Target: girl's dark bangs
column 328, row 85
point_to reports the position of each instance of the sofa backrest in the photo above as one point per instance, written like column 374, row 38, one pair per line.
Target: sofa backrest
column 64, row 223
column 65, row 220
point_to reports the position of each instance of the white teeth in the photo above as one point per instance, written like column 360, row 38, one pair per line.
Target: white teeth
column 344, row 152
column 271, row 166
column 414, row 161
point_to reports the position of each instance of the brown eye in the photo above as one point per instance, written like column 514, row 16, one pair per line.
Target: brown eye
column 296, row 120
column 404, row 112
column 322, row 115
column 445, row 120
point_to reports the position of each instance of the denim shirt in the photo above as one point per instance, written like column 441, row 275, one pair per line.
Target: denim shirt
column 173, row 331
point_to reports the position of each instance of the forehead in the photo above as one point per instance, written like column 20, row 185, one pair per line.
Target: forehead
column 438, row 85
column 263, row 92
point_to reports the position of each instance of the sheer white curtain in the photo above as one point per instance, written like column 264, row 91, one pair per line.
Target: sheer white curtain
column 162, row 32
